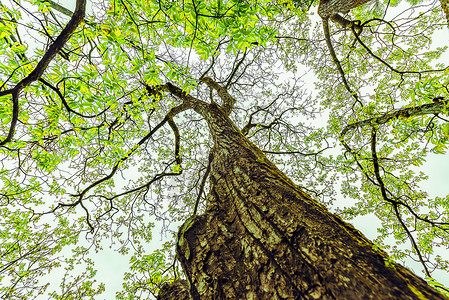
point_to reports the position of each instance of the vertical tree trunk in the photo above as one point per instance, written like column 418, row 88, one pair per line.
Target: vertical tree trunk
column 262, row 237
column 329, row 8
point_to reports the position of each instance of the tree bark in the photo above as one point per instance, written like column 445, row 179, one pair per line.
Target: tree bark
column 435, row 108
column 329, row 8
column 444, row 7
column 262, row 237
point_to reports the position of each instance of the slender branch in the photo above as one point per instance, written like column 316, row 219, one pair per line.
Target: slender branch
column 64, row 102
column 296, row 152
column 245, row 130
column 81, row 195
column 393, row 202
column 357, row 36
column 21, row 56
column 234, row 70
column 407, row 112
column 188, row 102
column 377, row 170
column 170, row 115
column 412, row 240
column 203, row 183
column 337, row 62
column 293, row 38
column 136, row 189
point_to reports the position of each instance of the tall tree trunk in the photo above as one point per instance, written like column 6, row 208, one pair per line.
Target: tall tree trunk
column 329, row 8
column 261, row 237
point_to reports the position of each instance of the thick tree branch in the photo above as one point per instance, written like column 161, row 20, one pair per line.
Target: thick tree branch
column 60, row 8
column 329, row 8
column 345, row 22
column 189, row 101
column 408, row 112
column 234, row 70
column 228, row 100
column 177, row 141
column 54, row 48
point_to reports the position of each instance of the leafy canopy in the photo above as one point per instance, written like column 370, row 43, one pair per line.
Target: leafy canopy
column 92, row 163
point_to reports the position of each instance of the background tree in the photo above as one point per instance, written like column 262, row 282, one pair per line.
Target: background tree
column 88, row 156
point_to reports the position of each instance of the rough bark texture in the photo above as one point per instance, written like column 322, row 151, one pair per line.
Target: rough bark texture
column 177, row 290
column 329, row 8
column 262, row 237
column 444, row 7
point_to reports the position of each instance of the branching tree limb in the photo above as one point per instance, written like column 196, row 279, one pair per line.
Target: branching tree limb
column 64, row 102
column 408, row 112
column 60, row 8
column 54, row 49
column 356, row 33
column 337, row 61
column 228, row 100
column 168, row 118
column 394, row 203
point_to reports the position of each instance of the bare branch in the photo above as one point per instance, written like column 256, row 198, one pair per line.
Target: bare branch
column 168, row 117
column 356, row 34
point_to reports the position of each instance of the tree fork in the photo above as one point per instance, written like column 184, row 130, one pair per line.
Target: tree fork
column 262, row 237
